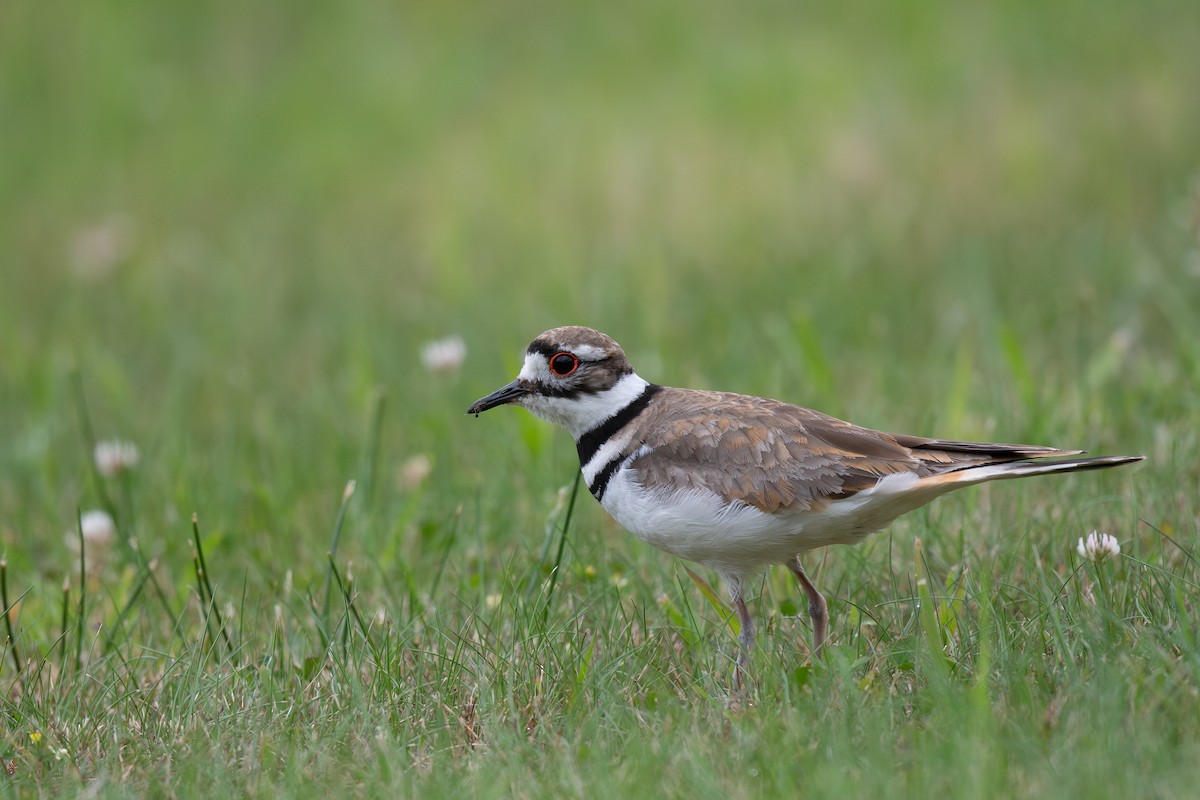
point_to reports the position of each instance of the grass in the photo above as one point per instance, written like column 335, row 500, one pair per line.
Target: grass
column 227, row 230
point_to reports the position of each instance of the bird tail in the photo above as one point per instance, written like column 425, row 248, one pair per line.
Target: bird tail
column 970, row 475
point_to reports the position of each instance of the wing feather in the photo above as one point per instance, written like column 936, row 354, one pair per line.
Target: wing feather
column 779, row 457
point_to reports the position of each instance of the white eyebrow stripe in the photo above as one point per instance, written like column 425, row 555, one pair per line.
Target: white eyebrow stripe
column 589, row 352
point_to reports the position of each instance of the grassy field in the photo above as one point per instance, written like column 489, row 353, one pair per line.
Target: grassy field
column 228, row 229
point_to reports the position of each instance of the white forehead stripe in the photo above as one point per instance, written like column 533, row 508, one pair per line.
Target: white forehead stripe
column 535, row 364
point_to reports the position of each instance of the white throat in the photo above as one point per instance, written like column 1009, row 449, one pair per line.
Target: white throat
column 581, row 413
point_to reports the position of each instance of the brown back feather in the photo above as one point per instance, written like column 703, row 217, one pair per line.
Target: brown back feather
column 780, row 457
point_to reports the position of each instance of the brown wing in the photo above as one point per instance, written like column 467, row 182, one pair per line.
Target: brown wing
column 776, row 456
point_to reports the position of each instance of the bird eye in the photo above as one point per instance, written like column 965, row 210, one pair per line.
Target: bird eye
column 563, row 364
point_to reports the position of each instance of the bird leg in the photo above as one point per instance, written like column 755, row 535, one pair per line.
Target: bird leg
column 818, row 609
column 745, row 640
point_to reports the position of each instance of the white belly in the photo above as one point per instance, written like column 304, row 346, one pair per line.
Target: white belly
column 736, row 539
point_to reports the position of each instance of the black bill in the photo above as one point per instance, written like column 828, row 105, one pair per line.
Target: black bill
column 507, row 394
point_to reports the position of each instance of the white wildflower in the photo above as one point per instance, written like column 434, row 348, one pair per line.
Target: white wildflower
column 444, row 355
column 98, row 527
column 1098, row 546
column 415, row 470
column 97, row 249
column 116, row 456
column 99, row 532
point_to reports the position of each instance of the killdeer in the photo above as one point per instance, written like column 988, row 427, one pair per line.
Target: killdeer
column 738, row 483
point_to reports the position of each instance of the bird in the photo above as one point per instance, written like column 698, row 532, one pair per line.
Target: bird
column 739, row 483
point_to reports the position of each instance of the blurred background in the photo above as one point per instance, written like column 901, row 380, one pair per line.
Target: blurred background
column 238, row 223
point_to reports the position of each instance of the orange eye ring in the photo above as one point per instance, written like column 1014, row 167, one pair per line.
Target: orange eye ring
column 563, row 364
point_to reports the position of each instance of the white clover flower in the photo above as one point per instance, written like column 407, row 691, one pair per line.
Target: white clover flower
column 99, row 533
column 1098, row 546
column 415, row 470
column 97, row 249
column 116, row 456
column 98, row 527
column 444, row 355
